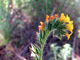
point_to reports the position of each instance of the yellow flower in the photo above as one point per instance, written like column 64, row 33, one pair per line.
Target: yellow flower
column 71, row 22
column 67, row 19
column 56, row 16
column 68, row 36
column 62, row 17
column 71, row 32
column 70, row 26
column 51, row 18
column 47, row 17
column 69, row 29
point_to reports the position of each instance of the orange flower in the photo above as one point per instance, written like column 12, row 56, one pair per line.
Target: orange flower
column 40, row 28
column 56, row 16
column 42, row 24
column 47, row 17
column 51, row 18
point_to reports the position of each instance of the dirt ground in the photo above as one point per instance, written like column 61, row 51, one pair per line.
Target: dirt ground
column 17, row 50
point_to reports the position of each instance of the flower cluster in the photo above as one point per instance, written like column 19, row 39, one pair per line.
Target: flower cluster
column 69, row 24
column 58, row 26
column 63, row 18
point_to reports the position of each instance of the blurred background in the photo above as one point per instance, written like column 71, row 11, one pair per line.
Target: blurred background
column 19, row 20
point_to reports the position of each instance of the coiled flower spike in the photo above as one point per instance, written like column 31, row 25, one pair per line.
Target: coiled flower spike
column 59, row 27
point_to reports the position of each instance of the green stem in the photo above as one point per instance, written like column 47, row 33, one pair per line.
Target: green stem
column 42, row 46
column 42, row 51
column 55, row 55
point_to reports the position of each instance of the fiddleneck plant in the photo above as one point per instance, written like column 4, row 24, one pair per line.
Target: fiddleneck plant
column 58, row 26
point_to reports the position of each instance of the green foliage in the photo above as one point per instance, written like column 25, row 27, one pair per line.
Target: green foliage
column 7, row 7
column 39, row 7
column 55, row 49
column 7, row 12
column 43, row 7
column 78, row 21
column 6, row 30
column 66, row 50
column 61, row 53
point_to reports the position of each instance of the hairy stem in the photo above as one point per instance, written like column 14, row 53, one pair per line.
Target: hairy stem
column 44, row 43
column 55, row 55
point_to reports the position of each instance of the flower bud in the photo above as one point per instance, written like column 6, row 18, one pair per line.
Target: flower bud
column 51, row 18
column 56, row 16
